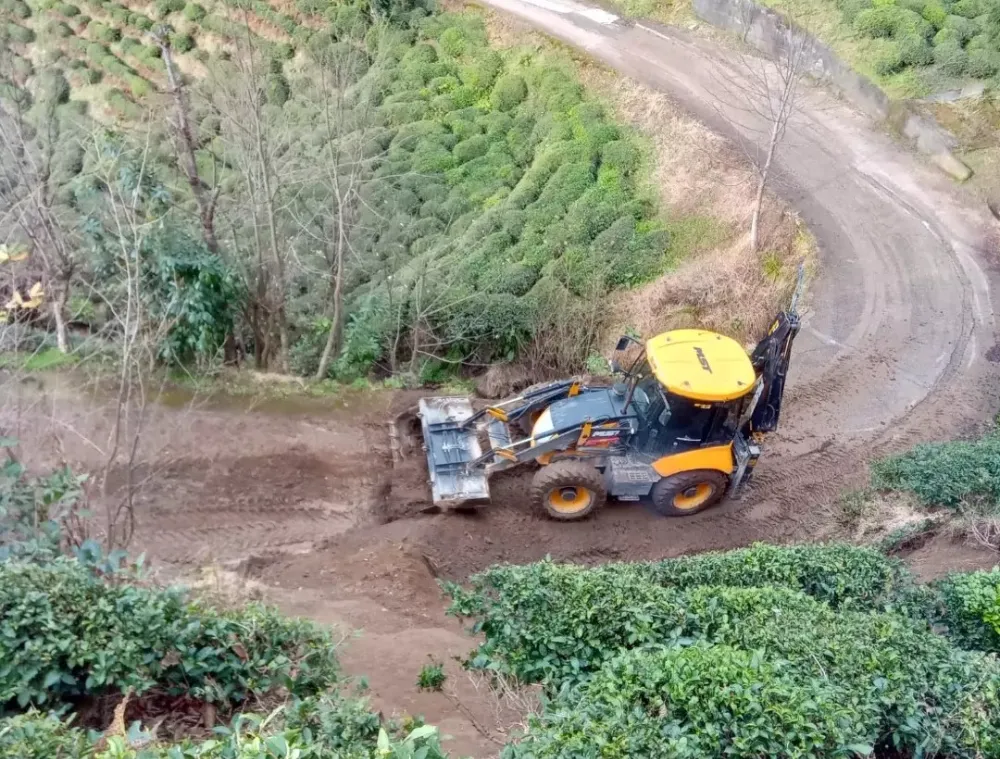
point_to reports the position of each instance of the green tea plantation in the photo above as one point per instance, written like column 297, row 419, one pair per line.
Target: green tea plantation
column 803, row 651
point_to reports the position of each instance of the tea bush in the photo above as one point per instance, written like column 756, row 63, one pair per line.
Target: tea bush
column 64, row 633
column 33, row 509
column 960, row 39
column 840, row 574
column 311, row 728
column 970, row 607
column 553, row 623
column 944, row 474
column 859, row 646
column 698, row 701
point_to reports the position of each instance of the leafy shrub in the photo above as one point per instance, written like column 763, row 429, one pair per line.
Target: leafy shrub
column 137, row 85
column 37, row 736
column 64, row 633
column 194, row 12
column 20, row 33
column 934, row 14
column 944, row 474
column 970, row 607
column 969, row 8
column 839, row 574
column 277, row 90
column 165, row 7
column 117, row 100
column 452, row 41
column 508, row 92
column 325, row 726
column 983, row 64
column 592, row 614
column 53, row 87
column 880, row 21
column 698, row 701
column 914, row 51
column 899, row 686
column 471, row 148
column 58, row 29
column 32, row 511
column 17, row 8
column 182, row 43
column 106, row 34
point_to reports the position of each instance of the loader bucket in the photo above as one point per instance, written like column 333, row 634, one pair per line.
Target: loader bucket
column 435, row 427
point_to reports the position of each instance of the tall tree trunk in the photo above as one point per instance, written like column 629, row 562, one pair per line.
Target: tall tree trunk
column 335, row 336
column 187, row 146
column 765, row 171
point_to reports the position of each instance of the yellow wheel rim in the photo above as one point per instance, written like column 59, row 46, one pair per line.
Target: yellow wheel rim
column 693, row 497
column 570, row 500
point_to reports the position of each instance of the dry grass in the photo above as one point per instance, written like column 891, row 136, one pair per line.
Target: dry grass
column 867, row 516
column 224, row 588
column 512, row 703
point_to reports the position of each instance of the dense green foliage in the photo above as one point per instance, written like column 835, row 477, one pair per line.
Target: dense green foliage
column 500, row 190
column 32, row 510
column 76, row 630
column 945, row 474
column 66, row 633
column 970, row 607
column 739, row 654
column 487, row 201
column 596, row 612
column 841, row 575
column 959, row 38
column 321, row 727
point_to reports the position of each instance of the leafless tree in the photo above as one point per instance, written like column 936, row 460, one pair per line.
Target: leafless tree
column 256, row 141
column 30, row 184
column 760, row 96
column 135, row 330
column 187, row 146
column 345, row 162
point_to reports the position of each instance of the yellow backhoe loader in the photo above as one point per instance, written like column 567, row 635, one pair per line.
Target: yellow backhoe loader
column 682, row 426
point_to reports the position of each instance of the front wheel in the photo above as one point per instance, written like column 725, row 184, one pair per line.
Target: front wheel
column 688, row 493
column 568, row 490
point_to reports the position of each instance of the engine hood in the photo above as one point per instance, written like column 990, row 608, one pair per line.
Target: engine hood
column 599, row 403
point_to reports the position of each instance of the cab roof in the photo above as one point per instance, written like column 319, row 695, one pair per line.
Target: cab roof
column 700, row 365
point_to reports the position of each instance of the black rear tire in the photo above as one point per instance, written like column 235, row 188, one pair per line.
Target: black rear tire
column 568, row 490
column 688, row 493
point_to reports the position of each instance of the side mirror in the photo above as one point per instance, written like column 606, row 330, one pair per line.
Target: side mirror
column 614, row 366
column 623, row 343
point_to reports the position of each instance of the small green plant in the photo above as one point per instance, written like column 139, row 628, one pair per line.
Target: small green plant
column 771, row 264
column 194, row 12
column 431, row 676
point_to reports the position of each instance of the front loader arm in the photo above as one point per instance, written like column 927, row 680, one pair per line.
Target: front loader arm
column 513, row 409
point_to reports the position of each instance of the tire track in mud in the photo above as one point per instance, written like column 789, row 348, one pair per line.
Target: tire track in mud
column 201, row 511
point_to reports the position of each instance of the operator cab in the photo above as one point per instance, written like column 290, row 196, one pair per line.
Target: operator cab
column 688, row 388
